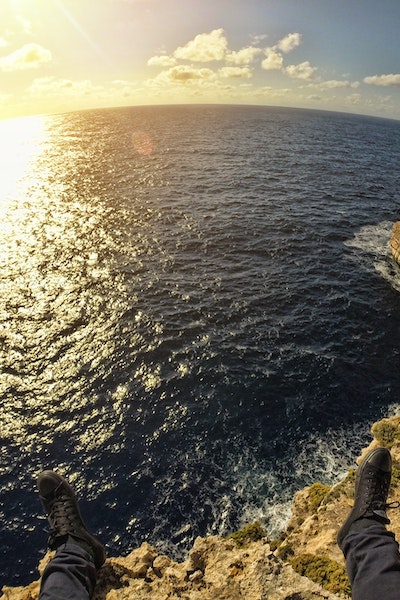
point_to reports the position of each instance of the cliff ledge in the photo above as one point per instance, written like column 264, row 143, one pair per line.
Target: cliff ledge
column 395, row 242
column 304, row 564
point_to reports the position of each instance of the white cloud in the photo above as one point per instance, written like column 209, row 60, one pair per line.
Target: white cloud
column 184, row 74
column 3, row 42
column 302, row 71
column 161, row 61
column 123, row 84
column 51, row 86
column 30, row 56
column 289, row 42
column 205, row 47
column 273, row 54
column 256, row 39
column 25, row 24
column 354, row 98
column 243, row 56
column 383, row 80
column 275, row 93
column 235, row 72
column 338, row 84
column 272, row 60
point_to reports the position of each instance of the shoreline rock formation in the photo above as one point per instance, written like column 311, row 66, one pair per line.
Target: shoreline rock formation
column 395, row 242
column 303, row 564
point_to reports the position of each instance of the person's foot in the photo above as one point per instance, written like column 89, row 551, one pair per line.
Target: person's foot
column 61, row 506
column 371, row 490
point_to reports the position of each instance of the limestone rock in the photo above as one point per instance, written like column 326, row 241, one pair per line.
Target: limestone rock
column 395, row 242
column 215, row 570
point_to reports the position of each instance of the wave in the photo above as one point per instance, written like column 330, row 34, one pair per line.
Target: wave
column 373, row 241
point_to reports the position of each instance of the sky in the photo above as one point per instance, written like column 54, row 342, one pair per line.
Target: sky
column 64, row 55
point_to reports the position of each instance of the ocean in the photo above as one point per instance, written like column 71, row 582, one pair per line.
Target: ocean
column 199, row 315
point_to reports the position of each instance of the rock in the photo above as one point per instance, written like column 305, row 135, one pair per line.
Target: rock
column 160, row 564
column 226, row 573
column 395, row 242
column 225, row 569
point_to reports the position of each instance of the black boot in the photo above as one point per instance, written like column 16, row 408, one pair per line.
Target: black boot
column 371, row 490
column 61, row 506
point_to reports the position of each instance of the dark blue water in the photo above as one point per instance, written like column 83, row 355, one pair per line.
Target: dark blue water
column 199, row 315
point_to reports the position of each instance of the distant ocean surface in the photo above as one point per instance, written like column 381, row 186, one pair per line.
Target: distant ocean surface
column 199, row 315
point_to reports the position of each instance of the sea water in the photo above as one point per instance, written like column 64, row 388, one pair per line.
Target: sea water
column 199, row 315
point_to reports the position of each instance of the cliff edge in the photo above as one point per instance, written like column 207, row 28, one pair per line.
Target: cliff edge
column 395, row 242
column 303, row 564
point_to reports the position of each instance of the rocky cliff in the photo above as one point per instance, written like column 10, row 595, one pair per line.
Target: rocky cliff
column 395, row 242
column 304, row 564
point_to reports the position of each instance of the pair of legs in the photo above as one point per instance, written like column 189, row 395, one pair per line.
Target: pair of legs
column 371, row 552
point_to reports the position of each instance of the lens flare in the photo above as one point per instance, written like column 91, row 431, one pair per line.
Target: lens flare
column 142, row 143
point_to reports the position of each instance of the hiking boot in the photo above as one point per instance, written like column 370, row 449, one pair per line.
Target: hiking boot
column 61, row 506
column 371, row 490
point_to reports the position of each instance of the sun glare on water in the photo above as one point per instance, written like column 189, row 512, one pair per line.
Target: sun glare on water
column 21, row 144
column 21, row 141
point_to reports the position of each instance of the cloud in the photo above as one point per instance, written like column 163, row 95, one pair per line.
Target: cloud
column 205, row 47
column 3, row 42
column 185, row 73
column 52, row 86
column 182, row 77
column 243, row 56
column 289, row 42
column 302, row 71
column 30, row 56
column 161, row 61
column 256, row 39
column 354, row 98
column 273, row 55
column 272, row 60
column 25, row 24
column 235, row 72
column 338, row 84
column 122, row 88
column 383, row 80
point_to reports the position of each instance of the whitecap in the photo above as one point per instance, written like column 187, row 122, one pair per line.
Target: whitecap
column 373, row 242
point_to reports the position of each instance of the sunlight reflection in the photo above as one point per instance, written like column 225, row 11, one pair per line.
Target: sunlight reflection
column 21, row 142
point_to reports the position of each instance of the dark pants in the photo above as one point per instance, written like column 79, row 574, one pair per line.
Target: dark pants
column 71, row 575
column 372, row 561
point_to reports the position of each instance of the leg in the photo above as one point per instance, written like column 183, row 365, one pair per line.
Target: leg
column 71, row 574
column 372, row 561
column 371, row 552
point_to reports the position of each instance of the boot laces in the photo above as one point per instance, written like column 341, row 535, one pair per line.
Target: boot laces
column 63, row 516
column 379, row 487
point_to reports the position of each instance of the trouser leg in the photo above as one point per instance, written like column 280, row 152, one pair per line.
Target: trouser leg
column 70, row 575
column 372, row 561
